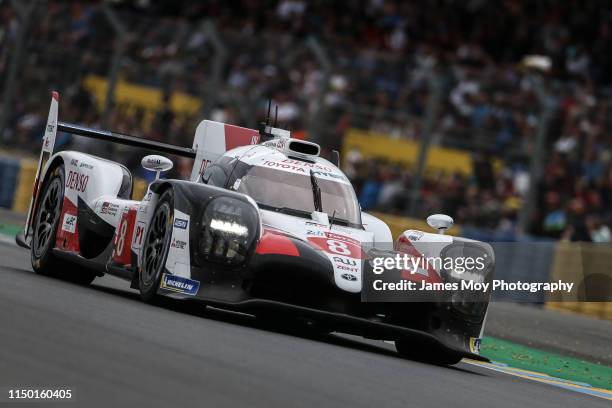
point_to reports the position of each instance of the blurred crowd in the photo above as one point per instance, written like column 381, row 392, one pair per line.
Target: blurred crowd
column 374, row 65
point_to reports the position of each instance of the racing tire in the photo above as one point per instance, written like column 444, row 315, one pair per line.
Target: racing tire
column 155, row 248
column 44, row 230
column 417, row 351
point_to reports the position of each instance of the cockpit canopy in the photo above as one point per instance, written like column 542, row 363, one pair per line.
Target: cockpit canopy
column 285, row 184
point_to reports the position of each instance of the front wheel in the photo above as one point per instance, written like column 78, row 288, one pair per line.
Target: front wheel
column 155, row 248
column 44, row 227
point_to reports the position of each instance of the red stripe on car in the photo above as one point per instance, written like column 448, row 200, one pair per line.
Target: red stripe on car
column 65, row 239
column 405, row 246
column 274, row 243
column 236, row 136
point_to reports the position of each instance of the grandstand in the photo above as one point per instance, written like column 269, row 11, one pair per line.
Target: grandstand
column 360, row 76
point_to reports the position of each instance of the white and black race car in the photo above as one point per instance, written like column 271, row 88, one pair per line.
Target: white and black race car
column 264, row 225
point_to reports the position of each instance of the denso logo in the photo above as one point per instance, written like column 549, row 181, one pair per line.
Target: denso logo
column 76, row 181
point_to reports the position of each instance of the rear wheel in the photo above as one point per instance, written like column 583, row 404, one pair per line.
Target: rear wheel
column 44, row 227
column 156, row 246
column 418, row 351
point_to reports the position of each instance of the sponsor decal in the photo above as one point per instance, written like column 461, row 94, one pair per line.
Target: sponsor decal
column 314, row 166
column 344, row 238
column 204, row 165
column 475, row 345
column 348, row 277
column 336, row 246
column 77, row 181
column 109, row 208
column 69, row 223
column 138, row 235
column 345, row 264
column 415, row 235
column 301, row 166
column 328, row 174
column 74, row 162
column 178, row 244
column 181, row 223
column 284, row 166
column 346, row 261
column 86, row 165
column 179, row 284
column 276, row 143
column 315, row 233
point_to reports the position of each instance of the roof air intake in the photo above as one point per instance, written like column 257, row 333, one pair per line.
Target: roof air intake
column 302, row 147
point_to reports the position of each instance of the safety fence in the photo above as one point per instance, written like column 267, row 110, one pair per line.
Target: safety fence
column 528, row 261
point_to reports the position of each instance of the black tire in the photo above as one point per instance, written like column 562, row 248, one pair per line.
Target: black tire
column 418, row 351
column 155, row 248
column 44, row 229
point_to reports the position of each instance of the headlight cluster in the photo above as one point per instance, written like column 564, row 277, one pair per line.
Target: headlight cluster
column 468, row 302
column 229, row 227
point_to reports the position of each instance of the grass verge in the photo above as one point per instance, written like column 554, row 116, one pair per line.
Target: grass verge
column 527, row 358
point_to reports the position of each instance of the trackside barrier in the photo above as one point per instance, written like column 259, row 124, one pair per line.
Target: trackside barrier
column 525, row 262
column 25, row 184
column 9, row 170
column 381, row 146
column 526, row 259
column 594, row 263
column 139, row 189
column 134, row 97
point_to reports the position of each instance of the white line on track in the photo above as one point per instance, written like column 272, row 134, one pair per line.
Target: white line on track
column 545, row 378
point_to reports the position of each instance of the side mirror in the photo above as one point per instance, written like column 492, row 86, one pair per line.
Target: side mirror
column 440, row 222
column 156, row 163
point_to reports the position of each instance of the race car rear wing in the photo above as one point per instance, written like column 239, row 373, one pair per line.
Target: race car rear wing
column 110, row 136
column 211, row 140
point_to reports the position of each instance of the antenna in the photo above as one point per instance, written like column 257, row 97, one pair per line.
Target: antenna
column 268, row 115
column 275, row 116
column 264, row 127
column 335, row 158
column 333, row 218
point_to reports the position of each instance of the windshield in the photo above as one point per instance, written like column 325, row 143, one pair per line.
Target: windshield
column 293, row 193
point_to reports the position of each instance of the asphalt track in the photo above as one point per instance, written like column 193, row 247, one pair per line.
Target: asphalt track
column 113, row 350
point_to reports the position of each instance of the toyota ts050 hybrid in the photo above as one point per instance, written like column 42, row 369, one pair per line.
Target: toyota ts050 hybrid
column 264, row 226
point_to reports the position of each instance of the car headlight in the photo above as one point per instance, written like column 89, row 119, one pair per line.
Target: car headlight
column 229, row 227
column 478, row 270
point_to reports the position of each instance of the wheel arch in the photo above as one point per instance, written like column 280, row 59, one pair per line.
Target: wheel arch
column 55, row 161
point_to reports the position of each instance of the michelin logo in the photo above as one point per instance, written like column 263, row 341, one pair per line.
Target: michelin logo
column 179, row 284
